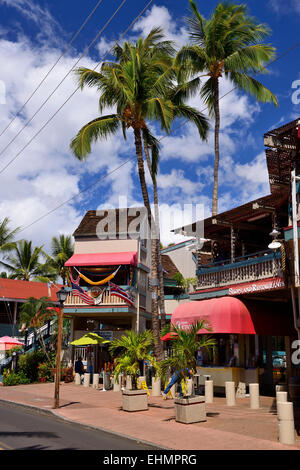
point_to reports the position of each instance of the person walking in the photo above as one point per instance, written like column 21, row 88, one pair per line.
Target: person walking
column 176, row 378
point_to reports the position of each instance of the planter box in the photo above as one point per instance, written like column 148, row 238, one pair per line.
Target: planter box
column 190, row 410
column 135, row 400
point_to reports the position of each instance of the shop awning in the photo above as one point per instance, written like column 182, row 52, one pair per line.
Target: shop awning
column 103, row 259
column 229, row 315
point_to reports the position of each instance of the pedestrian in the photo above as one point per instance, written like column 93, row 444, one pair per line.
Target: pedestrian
column 79, row 368
column 176, row 378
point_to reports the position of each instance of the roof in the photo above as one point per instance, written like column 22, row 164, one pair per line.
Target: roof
column 117, row 221
column 22, row 290
column 168, row 266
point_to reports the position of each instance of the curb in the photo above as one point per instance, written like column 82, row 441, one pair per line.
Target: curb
column 83, row 425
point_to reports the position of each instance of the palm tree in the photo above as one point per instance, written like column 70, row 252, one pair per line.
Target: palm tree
column 137, row 86
column 62, row 249
column 230, row 44
column 23, row 262
column 34, row 313
column 132, row 348
column 185, row 347
column 6, row 234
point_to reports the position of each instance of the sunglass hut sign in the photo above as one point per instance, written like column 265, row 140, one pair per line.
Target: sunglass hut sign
column 259, row 286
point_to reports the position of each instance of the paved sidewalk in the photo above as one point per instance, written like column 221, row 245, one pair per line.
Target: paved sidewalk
column 229, row 428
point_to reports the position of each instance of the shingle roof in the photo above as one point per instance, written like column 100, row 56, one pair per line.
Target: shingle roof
column 22, row 290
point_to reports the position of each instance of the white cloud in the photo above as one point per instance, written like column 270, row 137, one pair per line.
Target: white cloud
column 161, row 17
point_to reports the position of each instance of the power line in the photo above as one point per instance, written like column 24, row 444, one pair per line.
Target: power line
column 53, row 66
column 127, row 161
column 72, row 94
column 60, row 83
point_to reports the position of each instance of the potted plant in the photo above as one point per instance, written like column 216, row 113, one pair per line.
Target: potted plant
column 130, row 350
column 189, row 409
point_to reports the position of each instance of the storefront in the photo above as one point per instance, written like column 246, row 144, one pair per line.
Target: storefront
column 252, row 339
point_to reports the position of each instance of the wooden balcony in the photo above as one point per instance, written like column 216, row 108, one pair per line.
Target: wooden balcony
column 107, row 299
column 249, row 268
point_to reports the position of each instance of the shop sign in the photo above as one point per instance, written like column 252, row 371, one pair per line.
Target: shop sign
column 259, row 286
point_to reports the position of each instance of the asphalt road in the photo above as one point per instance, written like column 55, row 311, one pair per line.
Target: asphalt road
column 23, row 429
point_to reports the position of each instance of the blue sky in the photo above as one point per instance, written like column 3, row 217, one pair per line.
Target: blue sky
column 32, row 36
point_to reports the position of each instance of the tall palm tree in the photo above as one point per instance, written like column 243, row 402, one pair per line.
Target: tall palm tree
column 24, row 262
column 137, row 86
column 62, row 249
column 229, row 44
column 6, row 234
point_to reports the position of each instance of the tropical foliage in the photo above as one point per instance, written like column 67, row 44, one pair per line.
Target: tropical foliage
column 62, row 249
column 34, row 313
column 131, row 349
column 185, row 347
column 7, row 235
column 24, row 262
column 229, row 44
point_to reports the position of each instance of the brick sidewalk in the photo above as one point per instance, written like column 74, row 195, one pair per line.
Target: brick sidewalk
column 231, row 428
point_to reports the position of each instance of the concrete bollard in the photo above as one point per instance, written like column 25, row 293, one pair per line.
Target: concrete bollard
column 128, row 382
column 86, row 380
column 230, row 393
column 281, row 396
column 286, row 426
column 254, row 396
column 209, row 391
column 77, row 379
column 156, row 387
column 95, row 380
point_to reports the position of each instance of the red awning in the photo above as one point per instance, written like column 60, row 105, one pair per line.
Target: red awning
column 229, row 315
column 103, row 259
column 225, row 315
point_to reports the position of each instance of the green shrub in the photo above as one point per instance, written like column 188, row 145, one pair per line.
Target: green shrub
column 13, row 378
column 44, row 372
column 28, row 364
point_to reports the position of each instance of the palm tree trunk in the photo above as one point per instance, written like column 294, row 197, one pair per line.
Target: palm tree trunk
column 217, row 148
column 158, row 251
column 154, row 274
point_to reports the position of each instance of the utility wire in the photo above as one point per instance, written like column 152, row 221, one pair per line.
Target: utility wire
column 132, row 158
column 56, row 88
column 53, row 66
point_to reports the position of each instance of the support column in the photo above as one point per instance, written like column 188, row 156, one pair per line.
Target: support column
column 232, row 242
column 15, row 318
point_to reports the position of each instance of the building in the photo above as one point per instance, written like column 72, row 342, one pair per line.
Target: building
column 246, row 285
column 13, row 293
column 111, row 266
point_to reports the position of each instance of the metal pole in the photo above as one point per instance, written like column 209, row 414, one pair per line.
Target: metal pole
column 58, row 354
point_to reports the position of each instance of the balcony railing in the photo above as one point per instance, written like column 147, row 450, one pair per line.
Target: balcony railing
column 249, row 268
column 107, row 299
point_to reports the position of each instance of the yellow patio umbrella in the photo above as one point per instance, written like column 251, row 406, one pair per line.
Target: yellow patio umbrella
column 89, row 339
